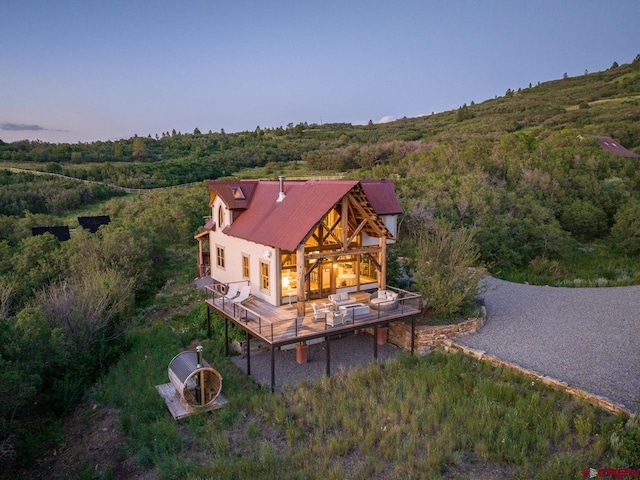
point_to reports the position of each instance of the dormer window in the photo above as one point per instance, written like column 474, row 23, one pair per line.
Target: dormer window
column 237, row 193
column 220, row 217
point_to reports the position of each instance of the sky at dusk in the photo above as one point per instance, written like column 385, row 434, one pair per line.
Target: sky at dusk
column 85, row 70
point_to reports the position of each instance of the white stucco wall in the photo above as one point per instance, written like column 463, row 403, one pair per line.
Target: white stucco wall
column 391, row 222
column 234, row 249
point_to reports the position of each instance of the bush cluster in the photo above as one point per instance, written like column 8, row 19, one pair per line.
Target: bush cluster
column 65, row 306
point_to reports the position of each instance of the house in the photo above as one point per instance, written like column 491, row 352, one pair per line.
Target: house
column 299, row 240
column 308, row 258
column 614, row 147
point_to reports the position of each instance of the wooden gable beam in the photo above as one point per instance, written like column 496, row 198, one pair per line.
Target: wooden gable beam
column 370, row 217
column 356, row 232
column 374, row 261
column 316, row 264
column 344, row 216
column 301, row 276
column 330, row 230
column 339, row 253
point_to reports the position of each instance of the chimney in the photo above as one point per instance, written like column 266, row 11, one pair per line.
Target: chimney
column 281, row 195
column 199, row 351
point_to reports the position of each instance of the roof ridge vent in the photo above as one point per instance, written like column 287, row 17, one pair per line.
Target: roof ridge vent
column 281, row 194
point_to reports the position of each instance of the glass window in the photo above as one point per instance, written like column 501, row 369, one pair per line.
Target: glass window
column 368, row 271
column 220, row 217
column 245, row 266
column 237, row 193
column 220, row 257
column 264, row 276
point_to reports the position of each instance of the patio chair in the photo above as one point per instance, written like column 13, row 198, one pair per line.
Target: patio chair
column 232, row 292
column 319, row 313
column 245, row 293
column 335, row 318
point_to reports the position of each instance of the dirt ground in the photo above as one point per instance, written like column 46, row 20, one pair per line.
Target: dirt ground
column 94, row 442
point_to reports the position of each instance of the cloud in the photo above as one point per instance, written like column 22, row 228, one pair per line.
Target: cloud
column 387, row 119
column 20, row 127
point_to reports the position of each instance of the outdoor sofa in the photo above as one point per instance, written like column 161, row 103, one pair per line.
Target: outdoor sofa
column 338, row 299
column 384, row 300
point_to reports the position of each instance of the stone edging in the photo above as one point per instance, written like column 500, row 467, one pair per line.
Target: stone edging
column 597, row 400
column 429, row 337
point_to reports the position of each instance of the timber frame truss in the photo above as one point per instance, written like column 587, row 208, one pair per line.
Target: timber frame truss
column 337, row 234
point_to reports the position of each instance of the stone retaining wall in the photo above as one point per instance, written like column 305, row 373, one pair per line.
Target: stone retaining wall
column 597, row 400
column 429, row 337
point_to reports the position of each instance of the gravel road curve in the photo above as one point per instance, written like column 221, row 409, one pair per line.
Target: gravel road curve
column 587, row 337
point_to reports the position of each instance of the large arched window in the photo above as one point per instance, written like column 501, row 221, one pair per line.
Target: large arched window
column 220, row 216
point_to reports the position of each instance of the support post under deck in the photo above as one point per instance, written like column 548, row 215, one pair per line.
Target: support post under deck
column 375, row 343
column 273, row 369
column 326, row 339
column 413, row 333
column 248, row 353
column 226, row 335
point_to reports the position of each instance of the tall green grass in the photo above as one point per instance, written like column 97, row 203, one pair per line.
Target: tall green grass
column 441, row 416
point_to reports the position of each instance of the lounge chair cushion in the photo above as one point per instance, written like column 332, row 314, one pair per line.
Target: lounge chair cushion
column 341, row 299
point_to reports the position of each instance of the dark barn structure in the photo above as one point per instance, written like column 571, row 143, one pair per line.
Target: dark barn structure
column 94, row 223
column 61, row 233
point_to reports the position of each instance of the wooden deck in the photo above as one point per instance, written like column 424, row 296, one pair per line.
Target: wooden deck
column 278, row 326
column 179, row 408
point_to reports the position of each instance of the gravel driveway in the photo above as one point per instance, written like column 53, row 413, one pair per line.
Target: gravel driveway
column 587, row 337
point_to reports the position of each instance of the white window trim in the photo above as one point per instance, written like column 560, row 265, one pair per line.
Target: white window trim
column 267, row 290
column 224, row 257
column 248, row 257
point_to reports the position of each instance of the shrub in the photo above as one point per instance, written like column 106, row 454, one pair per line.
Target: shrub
column 626, row 231
column 446, row 269
column 544, row 266
column 584, row 220
column 82, row 308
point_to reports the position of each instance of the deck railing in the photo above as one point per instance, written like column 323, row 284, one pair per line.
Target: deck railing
column 407, row 298
column 238, row 310
column 270, row 329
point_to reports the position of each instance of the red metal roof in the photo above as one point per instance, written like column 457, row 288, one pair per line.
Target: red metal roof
column 382, row 196
column 227, row 190
column 285, row 224
column 614, row 147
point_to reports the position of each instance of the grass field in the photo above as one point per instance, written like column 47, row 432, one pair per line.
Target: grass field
column 440, row 416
